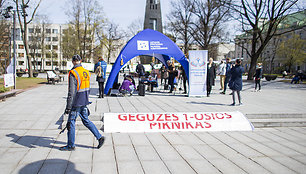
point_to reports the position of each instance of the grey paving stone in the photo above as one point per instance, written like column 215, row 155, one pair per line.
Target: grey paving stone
column 54, row 167
column 226, row 166
column 190, row 138
column 35, row 154
column 121, row 139
column 146, row 153
column 127, row 167
column 173, row 138
column 272, row 166
column 104, row 154
column 73, row 168
column 139, row 139
column 157, row 139
column 187, row 152
column 125, row 153
column 154, row 167
column 27, row 168
column 207, row 152
column 81, row 156
column 104, row 167
column 167, row 152
column 179, row 167
column 203, row 167
column 291, row 164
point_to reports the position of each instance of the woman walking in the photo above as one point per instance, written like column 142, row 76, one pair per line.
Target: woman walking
column 235, row 84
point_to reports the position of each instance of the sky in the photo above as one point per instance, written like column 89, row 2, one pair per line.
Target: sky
column 122, row 12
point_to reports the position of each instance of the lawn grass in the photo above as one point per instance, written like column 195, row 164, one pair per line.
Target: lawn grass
column 24, row 83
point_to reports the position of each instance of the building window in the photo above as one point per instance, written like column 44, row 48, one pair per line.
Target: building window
column 48, row 63
column 31, row 30
column 48, row 30
column 55, row 31
column 20, row 54
column 54, row 38
column 21, row 63
column 48, row 47
column 153, row 23
column 54, row 47
column 20, row 46
column 48, row 39
column 38, row 30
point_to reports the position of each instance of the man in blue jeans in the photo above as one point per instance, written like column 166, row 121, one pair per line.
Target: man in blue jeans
column 77, row 101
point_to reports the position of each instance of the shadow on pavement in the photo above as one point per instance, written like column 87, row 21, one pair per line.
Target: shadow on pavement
column 205, row 103
column 50, row 166
column 37, row 141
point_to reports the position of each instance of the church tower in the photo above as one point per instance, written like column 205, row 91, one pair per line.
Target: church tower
column 153, row 18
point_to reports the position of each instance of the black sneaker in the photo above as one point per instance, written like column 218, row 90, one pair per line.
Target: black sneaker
column 101, row 142
column 67, row 148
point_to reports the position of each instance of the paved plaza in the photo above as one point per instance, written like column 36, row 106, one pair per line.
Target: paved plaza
column 30, row 139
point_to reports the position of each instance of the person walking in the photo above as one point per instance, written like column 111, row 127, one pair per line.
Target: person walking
column 235, row 83
column 211, row 75
column 184, row 79
column 258, row 76
column 100, row 70
column 77, row 101
column 227, row 74
column 222, row 72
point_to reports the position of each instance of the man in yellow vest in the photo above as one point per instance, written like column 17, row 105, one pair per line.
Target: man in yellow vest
column 77, row 101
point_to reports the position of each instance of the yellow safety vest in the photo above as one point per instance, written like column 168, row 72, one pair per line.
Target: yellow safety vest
column 83, row 86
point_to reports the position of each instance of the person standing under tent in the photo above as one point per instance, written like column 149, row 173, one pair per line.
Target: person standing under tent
column 171, row 73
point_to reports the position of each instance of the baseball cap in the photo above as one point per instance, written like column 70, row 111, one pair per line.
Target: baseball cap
column 76, row 58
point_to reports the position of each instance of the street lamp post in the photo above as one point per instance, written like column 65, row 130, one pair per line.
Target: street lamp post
column 7, row 15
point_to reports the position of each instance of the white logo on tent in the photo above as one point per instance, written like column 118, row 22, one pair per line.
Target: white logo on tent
column 142, row 45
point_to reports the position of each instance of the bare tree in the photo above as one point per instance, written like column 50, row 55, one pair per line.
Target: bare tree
column 210, row 15
column 135, row 27
column 180, row 23
column 86, row 17
column 21, row 5
column 5, row 27
column 110, row 38
column 260, row 21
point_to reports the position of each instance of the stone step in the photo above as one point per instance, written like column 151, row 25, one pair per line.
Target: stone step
column 278, row 122
column 276, row 115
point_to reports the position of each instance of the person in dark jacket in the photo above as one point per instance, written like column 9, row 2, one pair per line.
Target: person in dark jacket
column 211, row 75
column 258, row 76
column 227, row 74
column 140, row 69
column 77, row 101
column 100, row 70
column 171, row 71
column 235, row 83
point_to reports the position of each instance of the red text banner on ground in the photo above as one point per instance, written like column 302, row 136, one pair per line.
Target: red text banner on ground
column 170, row 122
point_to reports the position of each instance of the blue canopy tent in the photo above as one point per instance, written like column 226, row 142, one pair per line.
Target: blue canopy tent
column 147, row 42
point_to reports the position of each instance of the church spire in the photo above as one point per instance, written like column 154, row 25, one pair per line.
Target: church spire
column 153, row 18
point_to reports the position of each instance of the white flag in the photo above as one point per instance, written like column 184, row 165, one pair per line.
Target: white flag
column 10, row 68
